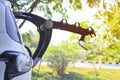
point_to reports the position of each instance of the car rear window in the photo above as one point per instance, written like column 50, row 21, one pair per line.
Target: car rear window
column 11, row 26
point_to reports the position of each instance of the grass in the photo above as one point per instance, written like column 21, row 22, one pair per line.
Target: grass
column 72, row 73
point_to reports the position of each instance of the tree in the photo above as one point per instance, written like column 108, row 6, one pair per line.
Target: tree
column 58, row 61
column 108, row 12
column 47, row 6
column 110, row 15
column 60, row 56
column 31, row 40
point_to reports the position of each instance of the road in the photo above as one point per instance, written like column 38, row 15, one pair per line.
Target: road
column 91, row 65
column 97, row 65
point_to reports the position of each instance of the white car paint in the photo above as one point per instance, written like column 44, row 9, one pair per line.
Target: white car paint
column 8, row 44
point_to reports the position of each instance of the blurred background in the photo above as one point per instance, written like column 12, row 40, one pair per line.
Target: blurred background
column 64, row 51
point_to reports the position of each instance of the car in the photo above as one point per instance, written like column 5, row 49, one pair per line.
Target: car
column 15, row 61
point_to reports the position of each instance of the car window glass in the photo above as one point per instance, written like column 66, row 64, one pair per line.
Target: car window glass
column 11, row 26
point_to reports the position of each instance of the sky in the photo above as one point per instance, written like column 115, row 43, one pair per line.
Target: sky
column 86, row 14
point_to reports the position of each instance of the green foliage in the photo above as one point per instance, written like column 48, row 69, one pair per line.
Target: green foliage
column 92, row 3
column 58, row 62
column 20, row 4
column 84, row 24
column 30, row 39
column 26, row 38
column 70, row 49
column 75, row 4
column 59, row 56
column 59, row 6
column 110, row 15
column 48, row 6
